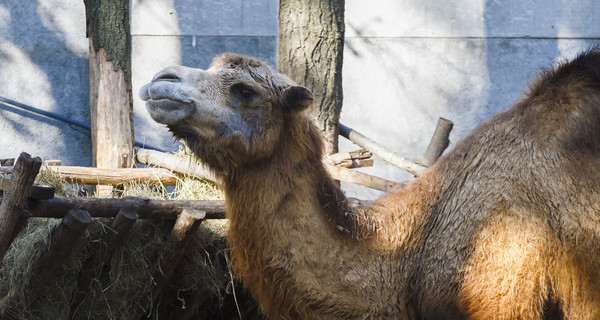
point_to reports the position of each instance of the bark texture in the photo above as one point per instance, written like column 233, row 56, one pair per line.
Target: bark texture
column 311, row 44
column 111, row 107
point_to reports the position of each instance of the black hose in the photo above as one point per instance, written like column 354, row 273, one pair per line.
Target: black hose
column 64, row 119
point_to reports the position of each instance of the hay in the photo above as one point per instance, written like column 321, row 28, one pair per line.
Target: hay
column 201, row 288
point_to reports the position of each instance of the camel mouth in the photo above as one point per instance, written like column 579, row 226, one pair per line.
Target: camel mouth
column 169, row 112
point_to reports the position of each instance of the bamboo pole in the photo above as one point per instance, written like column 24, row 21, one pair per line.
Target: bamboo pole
column 15, row 198
column 381, row 151
column 59, row 247
column 184, row 229
column 109, row 207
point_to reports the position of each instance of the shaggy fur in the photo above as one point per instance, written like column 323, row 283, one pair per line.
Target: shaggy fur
column 505, row 226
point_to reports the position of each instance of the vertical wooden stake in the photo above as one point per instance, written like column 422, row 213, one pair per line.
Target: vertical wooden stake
column 15, row 198
column 111, row 106
column 439, row 142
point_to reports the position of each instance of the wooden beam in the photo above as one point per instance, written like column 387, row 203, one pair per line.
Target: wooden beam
column 188, row 166
column 109, row 207
column 114, row 176
column 353, row 159
column 15, row 198
column 39, row 191
column 362, row 179
column 381, row 151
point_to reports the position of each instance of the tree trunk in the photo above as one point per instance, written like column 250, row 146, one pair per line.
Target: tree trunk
column 111, row 106
column 311, row 43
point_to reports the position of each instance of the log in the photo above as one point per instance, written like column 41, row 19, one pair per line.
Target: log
column 114, row 176
column 353, row 159
column 7, row 162
column 39, row 191
column 184, row 229
column 15, row 198
column 122, row 223
column 186, row 166
column 358, row 163
column 109, row 207
column 351, row 155
column 439, row 142
column 362, row 179
column 405, row 164
column 47, row 261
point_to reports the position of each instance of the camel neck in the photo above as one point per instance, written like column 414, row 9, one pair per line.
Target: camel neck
column 283, row 240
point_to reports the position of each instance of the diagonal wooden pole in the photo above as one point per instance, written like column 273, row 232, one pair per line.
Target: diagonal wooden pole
column 15, row 198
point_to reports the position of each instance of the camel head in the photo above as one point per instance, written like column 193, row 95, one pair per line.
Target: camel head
column 231, row 114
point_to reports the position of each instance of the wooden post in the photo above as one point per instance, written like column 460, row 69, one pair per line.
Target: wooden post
column 185, row 227
column 439, row 142
column 48, row 259
column 104, row 250
column 111, row 108
column 15, row 198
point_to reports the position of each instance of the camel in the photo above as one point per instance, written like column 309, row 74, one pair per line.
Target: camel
column 506, row 225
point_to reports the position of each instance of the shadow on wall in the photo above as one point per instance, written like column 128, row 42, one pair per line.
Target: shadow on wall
column 43, row 63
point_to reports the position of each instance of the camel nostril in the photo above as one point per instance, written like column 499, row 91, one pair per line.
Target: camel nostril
column 167, row 76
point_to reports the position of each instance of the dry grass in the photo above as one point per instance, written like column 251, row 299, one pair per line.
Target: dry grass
column 201, row 288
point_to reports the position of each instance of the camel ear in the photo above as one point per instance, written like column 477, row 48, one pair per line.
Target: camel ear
column 296, row 99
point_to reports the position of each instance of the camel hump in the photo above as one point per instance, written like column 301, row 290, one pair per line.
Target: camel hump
column 563, row 105
column 567, row 76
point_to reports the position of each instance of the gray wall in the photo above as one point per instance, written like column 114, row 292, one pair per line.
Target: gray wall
column 406, row 63
column 43, row 63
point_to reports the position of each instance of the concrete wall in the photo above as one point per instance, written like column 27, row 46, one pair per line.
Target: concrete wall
column 43, row 63
column 406, row 63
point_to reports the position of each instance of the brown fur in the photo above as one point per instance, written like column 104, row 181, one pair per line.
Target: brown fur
column 505, row 226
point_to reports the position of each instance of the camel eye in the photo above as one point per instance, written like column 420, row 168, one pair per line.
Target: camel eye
column 244, row 91
column 247, row 93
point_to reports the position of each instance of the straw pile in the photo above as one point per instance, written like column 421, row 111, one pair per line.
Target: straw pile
column 201, row 288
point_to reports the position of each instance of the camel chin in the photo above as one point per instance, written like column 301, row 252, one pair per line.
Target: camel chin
column 169, row 112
